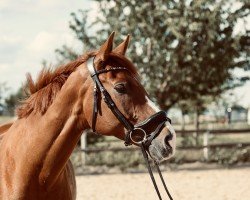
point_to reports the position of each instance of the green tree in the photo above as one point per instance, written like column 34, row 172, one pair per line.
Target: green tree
column 184, row 50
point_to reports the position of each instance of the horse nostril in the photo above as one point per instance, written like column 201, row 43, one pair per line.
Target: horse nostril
column 168, row 138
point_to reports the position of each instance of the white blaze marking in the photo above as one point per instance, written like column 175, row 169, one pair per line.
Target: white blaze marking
column 152, row 105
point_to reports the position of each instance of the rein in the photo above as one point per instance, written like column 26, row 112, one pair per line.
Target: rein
column 136, row 134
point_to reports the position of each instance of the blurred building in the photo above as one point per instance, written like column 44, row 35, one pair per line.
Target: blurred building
column 239, row 114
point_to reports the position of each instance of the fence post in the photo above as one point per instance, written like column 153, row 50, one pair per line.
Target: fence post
column 83, row 146
column 205, row 143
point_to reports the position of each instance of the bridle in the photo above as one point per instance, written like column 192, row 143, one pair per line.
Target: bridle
column 137, row 133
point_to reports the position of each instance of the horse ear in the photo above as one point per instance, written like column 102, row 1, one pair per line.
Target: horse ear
column 104, row 51
column 122, row 48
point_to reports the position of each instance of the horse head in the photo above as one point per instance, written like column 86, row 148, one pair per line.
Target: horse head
column 118, row 76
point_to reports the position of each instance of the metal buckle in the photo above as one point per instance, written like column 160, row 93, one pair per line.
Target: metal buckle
column 138, row 133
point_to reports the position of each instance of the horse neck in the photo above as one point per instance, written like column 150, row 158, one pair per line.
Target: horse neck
column 63, row 124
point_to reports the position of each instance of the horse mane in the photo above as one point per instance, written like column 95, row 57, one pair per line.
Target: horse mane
column 49, row 82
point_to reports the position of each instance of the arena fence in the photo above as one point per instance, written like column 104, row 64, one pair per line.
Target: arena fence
column 206, row 135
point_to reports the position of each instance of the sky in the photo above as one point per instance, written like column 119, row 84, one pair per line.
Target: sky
column 31, row 30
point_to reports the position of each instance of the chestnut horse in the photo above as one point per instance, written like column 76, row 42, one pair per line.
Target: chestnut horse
column 35, row 149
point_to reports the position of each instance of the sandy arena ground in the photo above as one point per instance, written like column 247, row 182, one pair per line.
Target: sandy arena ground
column 213, row 184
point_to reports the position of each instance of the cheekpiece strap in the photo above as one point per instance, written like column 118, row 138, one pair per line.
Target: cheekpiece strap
column 95, row 109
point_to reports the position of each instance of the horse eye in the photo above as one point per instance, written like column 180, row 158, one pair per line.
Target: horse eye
column 120, row 88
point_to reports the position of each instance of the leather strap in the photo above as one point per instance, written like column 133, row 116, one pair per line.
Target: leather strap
column 162, row 180
column 154, row 134
column 95, row 108
column 145, row 155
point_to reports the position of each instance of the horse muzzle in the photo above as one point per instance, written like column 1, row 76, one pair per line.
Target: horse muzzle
column 163, row 146
column 148, row 134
